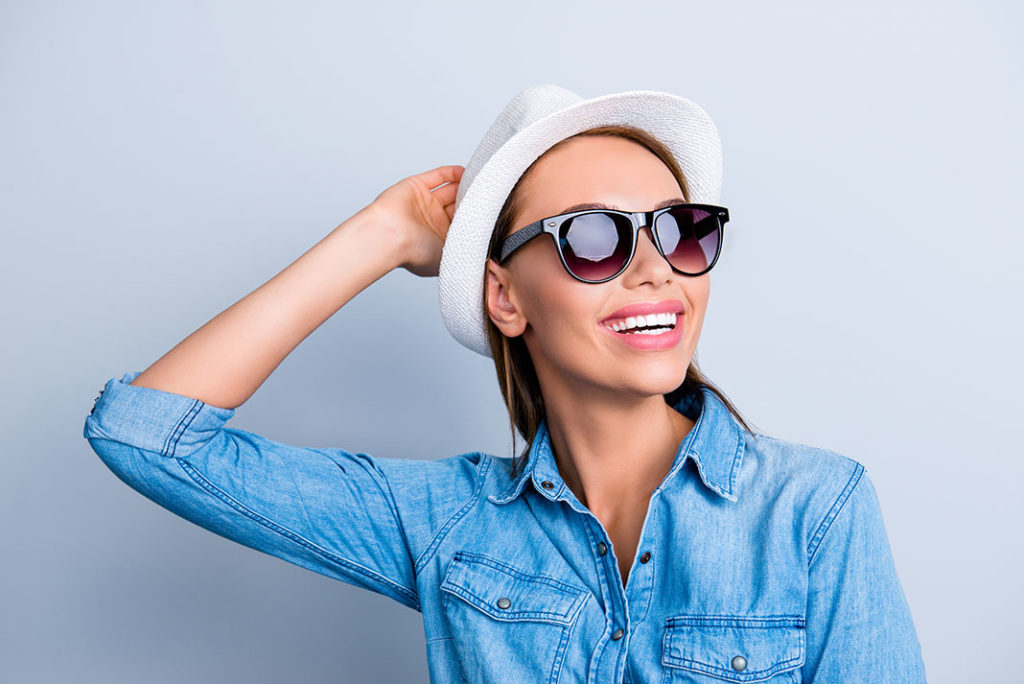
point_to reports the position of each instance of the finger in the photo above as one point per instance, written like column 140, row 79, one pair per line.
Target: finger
column 442, row 174
column 446, row 193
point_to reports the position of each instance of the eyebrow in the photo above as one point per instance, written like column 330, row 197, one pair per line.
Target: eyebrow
column 598, row 205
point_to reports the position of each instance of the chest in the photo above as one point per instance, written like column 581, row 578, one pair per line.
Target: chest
column 544, row 598
column 624, row 534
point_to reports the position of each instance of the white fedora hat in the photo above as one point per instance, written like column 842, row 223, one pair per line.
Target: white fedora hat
column 530, row 123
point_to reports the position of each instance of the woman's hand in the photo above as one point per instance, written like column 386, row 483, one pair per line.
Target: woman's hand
column 419, row 215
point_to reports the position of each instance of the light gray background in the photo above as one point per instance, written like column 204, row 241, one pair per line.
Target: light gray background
column 161, row 160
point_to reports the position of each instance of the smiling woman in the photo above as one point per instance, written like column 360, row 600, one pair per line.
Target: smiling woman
column 647, row 533
column 610, row 157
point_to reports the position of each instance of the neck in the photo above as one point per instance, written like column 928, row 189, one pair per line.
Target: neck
column 613, row 451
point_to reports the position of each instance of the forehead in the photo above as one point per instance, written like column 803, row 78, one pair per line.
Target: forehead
column 602, row 205
column 598, row 172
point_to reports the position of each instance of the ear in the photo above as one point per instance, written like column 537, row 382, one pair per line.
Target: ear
column 502, row 307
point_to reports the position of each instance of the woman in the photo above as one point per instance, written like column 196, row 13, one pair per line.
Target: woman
column 646, row 534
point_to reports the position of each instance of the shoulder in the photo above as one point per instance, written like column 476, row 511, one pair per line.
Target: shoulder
column 797, row 464
column 814, row 482
column 454, row 477
column 431, row 496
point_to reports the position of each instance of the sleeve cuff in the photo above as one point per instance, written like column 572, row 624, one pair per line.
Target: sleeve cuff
column 150, row 419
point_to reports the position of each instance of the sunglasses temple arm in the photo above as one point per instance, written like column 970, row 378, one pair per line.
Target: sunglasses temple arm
column 519, row 238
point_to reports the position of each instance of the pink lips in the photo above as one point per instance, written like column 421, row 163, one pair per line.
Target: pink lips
column 643, row 308
column 649, row 342
column 665, row 340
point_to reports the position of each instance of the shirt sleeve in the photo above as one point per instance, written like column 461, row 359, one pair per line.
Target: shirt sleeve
column 859, row 627
column 365, row 521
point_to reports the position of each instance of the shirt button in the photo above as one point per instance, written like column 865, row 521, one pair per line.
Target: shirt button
column 601, row 548
column 646, row 557
column 617, row 634
column 739, row 663
column 504, row 603
column 546, row 484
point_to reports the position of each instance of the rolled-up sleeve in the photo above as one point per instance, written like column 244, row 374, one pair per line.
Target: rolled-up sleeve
column 347, row 515
column 859, row 627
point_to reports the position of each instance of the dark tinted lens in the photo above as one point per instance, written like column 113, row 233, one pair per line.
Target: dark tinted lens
column 596, row 245
column 690, row 238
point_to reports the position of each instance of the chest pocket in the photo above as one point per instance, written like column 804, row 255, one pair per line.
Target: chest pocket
column 507, row 624
column 716, row 648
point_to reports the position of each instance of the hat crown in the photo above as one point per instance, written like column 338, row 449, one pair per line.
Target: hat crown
column 530, row 105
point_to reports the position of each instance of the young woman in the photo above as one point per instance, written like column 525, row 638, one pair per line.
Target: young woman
column 646, row 534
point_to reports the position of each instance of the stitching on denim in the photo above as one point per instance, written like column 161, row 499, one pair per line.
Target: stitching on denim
column 650, row 568
column 687, row 445
column 737, row 620
column 563, row 642
column 751, row 676
column 708, row 481
column 564, row 587
column 389, row 496
column 592, row 537
column 785, row 622
column 171, row 443
column 840, row 503
column 478, row 603
column 483, row 468
column 576, row 596
column 405, row 595
column 736, row 462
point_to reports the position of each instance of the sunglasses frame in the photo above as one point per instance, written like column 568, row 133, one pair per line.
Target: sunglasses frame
column 552, row 225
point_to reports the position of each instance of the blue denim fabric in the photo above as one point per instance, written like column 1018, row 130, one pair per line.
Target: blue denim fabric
column 760, row 560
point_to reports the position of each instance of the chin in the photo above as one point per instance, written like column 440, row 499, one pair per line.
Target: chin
column 660, row 380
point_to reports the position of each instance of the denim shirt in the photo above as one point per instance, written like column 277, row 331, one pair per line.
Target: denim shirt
column 760, row 560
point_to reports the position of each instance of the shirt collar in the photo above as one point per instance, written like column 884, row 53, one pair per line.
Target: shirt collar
column 715, row 443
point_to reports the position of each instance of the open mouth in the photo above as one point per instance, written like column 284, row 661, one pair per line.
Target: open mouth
column 651, row 324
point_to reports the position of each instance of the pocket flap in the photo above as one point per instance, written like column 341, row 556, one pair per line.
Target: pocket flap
column 506, row 593
column 734, row 648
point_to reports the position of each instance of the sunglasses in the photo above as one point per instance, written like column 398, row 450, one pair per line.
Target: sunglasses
column 597, row 245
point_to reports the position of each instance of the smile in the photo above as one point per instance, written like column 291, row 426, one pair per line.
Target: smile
column 651, row 324
column 648, row 333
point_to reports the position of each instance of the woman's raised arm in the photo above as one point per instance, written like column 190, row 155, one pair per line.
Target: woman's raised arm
column 369, row 522
column 226, row 360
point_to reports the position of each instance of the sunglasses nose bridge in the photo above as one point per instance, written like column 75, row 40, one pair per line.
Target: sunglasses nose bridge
column 640, row 219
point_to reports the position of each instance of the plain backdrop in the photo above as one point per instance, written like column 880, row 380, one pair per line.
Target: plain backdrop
column 159, row 161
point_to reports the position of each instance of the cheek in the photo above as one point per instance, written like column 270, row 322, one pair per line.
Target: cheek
column 697, row 295
column 563, row 314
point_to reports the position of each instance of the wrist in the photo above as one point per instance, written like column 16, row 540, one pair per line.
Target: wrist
column 382, row 237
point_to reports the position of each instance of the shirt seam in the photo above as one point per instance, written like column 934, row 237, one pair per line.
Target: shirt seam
column 402, row 593
column 482, row 469
column 833, row 513
column 189, row 415
column 389, row 496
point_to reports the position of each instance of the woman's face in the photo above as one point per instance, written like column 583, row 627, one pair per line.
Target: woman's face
column 559, row 317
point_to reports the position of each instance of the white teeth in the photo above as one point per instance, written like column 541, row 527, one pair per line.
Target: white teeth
column 650, row 320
